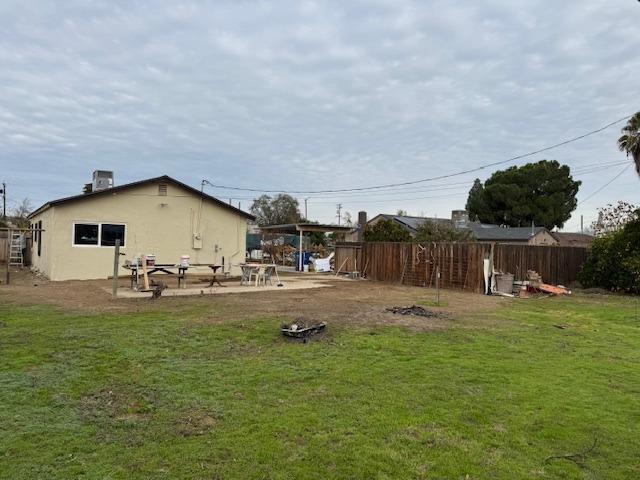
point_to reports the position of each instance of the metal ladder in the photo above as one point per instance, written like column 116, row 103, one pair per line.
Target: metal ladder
column 15, row 250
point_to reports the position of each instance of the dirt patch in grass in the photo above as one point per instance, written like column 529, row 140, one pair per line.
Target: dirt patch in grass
column 117, row 404
column 197, row 421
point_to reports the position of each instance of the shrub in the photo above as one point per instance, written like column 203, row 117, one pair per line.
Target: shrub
column 386, row 231
column 614, row 260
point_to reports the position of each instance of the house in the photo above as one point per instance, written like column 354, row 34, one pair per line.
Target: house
column 159, row 216
column 517, row 235
column 569, row 239
column 483, row 232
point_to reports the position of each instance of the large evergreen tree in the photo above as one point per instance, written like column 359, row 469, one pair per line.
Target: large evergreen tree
column 476, row 201
column 543, row 193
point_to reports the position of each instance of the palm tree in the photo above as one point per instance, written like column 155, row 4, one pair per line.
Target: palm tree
column 629, row 142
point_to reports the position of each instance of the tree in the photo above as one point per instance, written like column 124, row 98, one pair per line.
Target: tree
column 629, row 142
column 386, row 231
column 401, row 213
column 431, row 231
column 612, row 218
column 543, row 193
column 279, row 210
column 614, row 259
column 21, row 212
column 476, row 201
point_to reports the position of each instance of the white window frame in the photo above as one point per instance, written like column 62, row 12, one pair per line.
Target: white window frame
column 99, row 224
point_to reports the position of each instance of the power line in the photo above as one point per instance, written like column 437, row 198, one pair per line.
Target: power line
column 440, row 177
column 606, row 184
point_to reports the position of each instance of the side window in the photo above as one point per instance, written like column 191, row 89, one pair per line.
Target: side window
column 109, row 233
column 84, row 234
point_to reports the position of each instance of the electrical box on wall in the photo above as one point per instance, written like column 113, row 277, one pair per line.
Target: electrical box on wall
column 197, row 241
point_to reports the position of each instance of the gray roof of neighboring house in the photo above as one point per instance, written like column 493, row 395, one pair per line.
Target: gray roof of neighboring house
column 119, row 188
column 489, row 232
column 412, row 223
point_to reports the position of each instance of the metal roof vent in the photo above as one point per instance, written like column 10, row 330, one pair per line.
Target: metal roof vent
column 102, row 179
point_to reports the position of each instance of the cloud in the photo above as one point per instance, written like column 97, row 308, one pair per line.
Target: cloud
column 296, row 95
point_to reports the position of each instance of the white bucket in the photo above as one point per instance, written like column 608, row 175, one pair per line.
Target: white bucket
column 306, row 268
column 151, row 260
column 184, row 260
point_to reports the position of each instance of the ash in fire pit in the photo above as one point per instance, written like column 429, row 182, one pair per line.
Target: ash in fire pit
column 414, row 310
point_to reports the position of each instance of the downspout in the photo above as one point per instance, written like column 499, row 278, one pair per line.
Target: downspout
column 238, row 250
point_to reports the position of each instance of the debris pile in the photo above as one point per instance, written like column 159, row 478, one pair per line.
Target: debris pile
column 534, row 286
column 413, row 310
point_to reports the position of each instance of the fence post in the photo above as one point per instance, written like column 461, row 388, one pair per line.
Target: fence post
column 116, row 264
column 8, row 250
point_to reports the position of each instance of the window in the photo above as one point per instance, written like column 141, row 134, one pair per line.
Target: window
column 98, row 234
column 85, row 234
column 162, row 189
column 109, row 233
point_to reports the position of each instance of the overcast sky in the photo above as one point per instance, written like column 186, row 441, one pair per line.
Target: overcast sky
column 315, row 95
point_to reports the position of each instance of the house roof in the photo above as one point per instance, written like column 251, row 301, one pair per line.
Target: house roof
column 489, row 232
column 120, row 188
column 410, row 223
column 570, row 239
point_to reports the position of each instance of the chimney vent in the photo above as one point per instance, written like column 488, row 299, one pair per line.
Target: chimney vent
column 459, row 218
column 102, row 179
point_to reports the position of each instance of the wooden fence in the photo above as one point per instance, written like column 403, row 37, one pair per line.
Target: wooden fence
column 460, row 264
column 3, row 247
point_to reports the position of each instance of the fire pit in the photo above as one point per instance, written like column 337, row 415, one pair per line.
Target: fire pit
column 302, row 330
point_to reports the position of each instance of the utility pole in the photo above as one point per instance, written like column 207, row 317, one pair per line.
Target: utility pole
column 4, row 201
column 339, row 211
column 306, row 216
column 581, row 223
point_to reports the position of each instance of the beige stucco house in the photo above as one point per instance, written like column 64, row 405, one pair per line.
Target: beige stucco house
column 159, row 216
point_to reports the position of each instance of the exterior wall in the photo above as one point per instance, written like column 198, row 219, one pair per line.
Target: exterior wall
column 542, row 238
column 42, row 262
column 159, row 225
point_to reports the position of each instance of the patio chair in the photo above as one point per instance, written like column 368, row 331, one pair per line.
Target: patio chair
column 269, row 272
column 245, row 276
column 256, row 272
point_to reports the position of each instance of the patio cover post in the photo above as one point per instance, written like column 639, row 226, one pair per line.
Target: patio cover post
column 300, row 256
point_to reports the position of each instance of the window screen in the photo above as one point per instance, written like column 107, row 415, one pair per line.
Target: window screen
column 85, row 234
column 110, row 232
column 162, row 189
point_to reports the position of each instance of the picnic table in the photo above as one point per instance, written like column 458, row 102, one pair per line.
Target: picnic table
column 171, row 269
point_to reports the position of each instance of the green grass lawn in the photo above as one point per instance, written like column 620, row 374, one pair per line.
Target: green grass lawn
column 169, row 395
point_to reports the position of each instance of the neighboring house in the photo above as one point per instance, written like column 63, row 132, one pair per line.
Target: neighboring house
column 483, row 232
column 159, row 216
column 520, row 235
column 569, row 239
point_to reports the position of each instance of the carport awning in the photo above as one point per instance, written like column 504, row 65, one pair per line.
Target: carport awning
column 301, row 228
